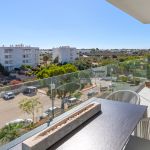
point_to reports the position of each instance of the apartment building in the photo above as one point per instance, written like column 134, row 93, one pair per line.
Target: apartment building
column 14, row 56
column 65, row 54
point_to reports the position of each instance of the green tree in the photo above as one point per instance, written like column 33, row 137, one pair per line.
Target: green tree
column 67, row 90
column 30, row 106
column 10, row 132
column 63, row 91
column 85, row 77
column 83, row 63
column 56, row 60
column 46, row 58
column 69, row 68
column 3, row 71
column 148, row 69
column 54, row 70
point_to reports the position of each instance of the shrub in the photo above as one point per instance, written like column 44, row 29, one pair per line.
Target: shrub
column 77, row 95
column 137, row 81
column 123, row 78
column 10, row 132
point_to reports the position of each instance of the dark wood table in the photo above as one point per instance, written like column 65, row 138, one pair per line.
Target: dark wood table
column 109, row 130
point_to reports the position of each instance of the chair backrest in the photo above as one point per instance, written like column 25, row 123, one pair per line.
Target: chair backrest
column 143, row 129
column 125, row 96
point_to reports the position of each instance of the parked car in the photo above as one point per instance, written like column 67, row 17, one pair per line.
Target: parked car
column 107, row 78
column 28, row 121
column 4, row 82
column 30, row 90
column 49, row 112
column 15, row 121
column 92, row 93
column 9, row 95
column 72, row 101
column 24, row 121
column 43, row 115
column 104, row 88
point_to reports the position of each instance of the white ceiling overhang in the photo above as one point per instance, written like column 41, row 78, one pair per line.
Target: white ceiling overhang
column 139, row 9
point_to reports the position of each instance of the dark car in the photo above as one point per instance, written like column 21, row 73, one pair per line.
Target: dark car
column 30, row 91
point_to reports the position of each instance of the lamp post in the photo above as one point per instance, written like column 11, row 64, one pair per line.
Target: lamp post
column 134, row 72
column 52, row 85
column 111, row 71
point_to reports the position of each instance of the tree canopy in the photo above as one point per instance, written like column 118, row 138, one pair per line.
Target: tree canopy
column 3, row 71
column 54, row 70
column 30, row 106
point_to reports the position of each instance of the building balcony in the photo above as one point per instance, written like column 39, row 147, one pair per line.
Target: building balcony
column 121, row 87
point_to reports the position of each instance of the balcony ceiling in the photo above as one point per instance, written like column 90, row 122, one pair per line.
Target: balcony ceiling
column 139, row 9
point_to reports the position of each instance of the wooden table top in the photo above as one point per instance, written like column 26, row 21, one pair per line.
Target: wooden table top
column 109, row 130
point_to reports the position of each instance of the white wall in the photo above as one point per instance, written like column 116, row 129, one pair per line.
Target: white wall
column 14, row 57
column 65, row 54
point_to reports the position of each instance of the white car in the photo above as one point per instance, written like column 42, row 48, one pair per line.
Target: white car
column 9, row 95
column 52, row 108
column 49, row 111
column 15, row 121
column 28, row 121
column 25, row 121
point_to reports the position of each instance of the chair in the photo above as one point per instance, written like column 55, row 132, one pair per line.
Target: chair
column 143, row 129
column 141, row 140
column 136, row 143
column 125, row 96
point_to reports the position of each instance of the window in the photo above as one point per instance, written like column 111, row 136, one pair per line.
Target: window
column 26, row 61
column 26, row 55
column 8, row 50
column 6, row 62
column 8, row 56
column 27, row 50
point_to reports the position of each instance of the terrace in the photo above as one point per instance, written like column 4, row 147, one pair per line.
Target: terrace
column 64, row 95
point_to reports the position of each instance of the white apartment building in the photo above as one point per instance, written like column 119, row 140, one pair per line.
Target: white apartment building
column 14, row 56
column 65, row 54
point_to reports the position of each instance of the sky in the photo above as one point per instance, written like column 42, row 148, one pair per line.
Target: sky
column 77, row 23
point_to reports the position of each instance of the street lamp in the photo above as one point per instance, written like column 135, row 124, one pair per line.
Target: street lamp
column 111, row 71
column 52, row 86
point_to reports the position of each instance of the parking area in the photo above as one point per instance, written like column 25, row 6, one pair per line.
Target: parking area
column 9, row 109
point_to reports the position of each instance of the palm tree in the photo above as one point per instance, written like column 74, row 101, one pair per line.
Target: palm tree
column 10, row 132
column 30, row 106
